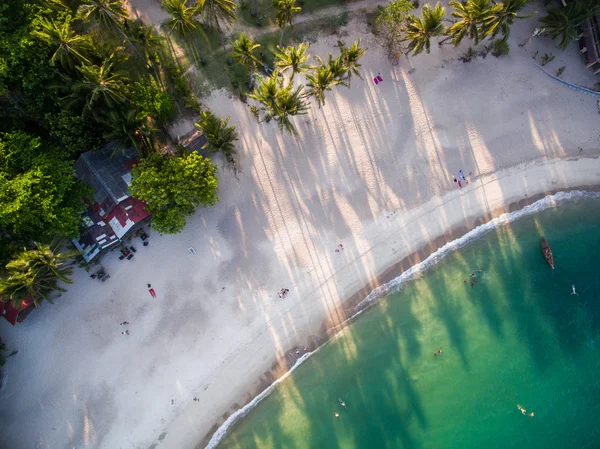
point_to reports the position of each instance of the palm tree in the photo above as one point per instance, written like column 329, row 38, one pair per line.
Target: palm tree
column 129, row 129
column 268, row 92
column 219, row 136
column 216, row 11
column 337, row 67
column 290, row 102
column 561, row 22
column 243, row 53
column 504, row 15
column 472, row 15
column 419, row 31
column 152, row 44
column 100, row 83
column 350, row 56
column 182, row 17
column 320, row 81
column 285, row 14
column 293, row 58
column 71, row 47
column 35, row 273
column 108, row 13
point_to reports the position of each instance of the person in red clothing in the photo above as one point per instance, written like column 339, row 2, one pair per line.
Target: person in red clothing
column 151, row 290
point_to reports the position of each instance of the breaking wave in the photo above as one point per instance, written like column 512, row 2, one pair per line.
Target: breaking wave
column 414, row 272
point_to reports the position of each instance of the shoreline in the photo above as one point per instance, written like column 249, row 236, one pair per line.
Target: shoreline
column 348, row 312
column 373, row 170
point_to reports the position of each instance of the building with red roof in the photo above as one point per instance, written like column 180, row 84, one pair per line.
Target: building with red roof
column 113, row 213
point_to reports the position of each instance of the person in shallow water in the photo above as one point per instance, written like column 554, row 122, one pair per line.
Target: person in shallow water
column 342, row 403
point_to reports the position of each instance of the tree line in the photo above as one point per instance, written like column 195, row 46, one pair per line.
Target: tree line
column 403, row 32
column 75, row 76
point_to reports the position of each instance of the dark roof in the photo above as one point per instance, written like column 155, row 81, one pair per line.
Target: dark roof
column 194, row 141
column 105, row 173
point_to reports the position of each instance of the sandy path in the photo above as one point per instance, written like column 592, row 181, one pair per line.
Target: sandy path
column 370, row 151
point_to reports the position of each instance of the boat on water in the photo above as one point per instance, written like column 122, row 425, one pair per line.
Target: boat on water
column 547, row 253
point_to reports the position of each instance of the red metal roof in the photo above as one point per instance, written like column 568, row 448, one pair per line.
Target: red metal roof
column 11, row 313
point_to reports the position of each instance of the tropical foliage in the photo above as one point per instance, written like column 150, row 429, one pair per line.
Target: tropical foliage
column 74, row 76
column 182, row 20
column 390, row 24
column 561, row 22
column 173, row 188
column 293, row 58
column 219, row 136
column 420, row 30
column 472, row 19
column 285, row 14
column 36, row 274
column 350, row 57
column 244, row 52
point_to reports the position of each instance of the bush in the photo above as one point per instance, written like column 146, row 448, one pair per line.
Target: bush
column 500, row 48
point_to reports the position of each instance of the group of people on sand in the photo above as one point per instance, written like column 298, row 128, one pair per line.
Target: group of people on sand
column 282, row 293
column 462, row 180
column 473, row 278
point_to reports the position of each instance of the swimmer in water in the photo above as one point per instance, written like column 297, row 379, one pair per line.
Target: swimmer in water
column 336, row 414
column 531, row 414
column 573, row 287
column 342, row 403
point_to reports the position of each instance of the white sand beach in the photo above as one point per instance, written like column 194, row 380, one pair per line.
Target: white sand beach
column 372, row 170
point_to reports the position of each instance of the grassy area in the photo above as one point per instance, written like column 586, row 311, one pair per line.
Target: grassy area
column 211, row 69
column 267, row 11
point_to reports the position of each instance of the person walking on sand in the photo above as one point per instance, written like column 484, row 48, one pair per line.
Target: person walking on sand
column 151, row 290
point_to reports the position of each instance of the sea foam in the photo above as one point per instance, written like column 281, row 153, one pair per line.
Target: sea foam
column 413, row 272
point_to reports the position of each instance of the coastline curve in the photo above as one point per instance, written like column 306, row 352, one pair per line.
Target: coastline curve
column 547, row 202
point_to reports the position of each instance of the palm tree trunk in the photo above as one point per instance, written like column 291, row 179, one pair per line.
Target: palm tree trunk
column 443, row 41
column 223, row 42
column 412, row 69
column 281, row 37
column 252, row 70
column 128, row 41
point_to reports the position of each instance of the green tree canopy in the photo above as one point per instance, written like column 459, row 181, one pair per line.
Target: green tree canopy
column 420, row 30
column 219, row 136
column 173, row 187
column 390, row 22
column 293, row 58
column 36, row 273
column 39, row 197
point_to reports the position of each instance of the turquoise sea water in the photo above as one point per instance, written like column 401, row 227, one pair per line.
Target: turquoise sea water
column 517, row 337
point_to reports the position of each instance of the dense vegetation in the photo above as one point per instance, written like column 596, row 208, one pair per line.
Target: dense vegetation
column 403, row 32
column 74, row 76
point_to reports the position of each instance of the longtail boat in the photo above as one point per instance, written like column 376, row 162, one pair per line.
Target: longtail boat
column 547, row 253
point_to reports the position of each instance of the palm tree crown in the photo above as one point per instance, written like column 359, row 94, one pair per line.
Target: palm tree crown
column 420, row 30
column 129, row 129
column 70, row 46
column 290, row 103
column 35, row 273
column 472, row 15
column 182, row 16
column 219, row 136
column 214, row 12
column 100, row 83
column 292, row 58
column 350, row 56
column 285, row 14
column 107, row 12
column 268, row 92
column 244, row 50
column 320, row 81
column 561, row 22
column 503, row 16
